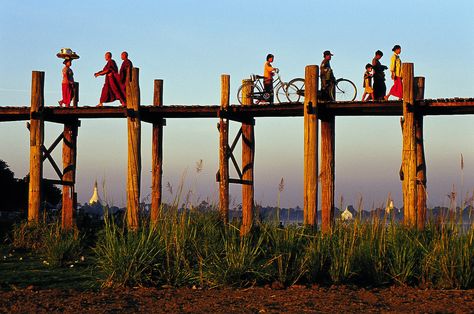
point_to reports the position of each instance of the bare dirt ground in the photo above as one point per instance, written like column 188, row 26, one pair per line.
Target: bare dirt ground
column 334, row 299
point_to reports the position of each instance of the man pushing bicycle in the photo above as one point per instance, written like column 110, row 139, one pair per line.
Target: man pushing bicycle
column 327, row 76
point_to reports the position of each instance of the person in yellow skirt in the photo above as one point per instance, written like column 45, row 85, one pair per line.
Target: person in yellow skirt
column 368, row 90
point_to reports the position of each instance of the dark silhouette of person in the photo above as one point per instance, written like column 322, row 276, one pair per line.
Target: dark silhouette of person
column 380, row 89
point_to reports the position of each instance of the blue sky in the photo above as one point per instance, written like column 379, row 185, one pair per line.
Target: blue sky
column 189, row 44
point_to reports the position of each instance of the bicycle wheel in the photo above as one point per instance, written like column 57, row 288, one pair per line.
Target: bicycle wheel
column 280, row 94
column 255, row 100
column 345, row 90
column 295, row 90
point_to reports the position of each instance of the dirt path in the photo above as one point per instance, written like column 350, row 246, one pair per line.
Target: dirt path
column 255, row 300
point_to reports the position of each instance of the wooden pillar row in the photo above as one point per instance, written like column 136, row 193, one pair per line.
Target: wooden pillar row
column 409, row 154
column 36, row 142
column 311, row 145
column 157, row 155
column 69, row 172
column 223, row 153
column 420, row 157
column 327, row 171
column 248, row 154
column 134, row 153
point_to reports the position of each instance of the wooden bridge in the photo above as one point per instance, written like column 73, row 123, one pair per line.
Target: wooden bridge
column 315, row 112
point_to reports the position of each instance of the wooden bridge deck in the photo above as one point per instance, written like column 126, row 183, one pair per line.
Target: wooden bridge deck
column 451, row 106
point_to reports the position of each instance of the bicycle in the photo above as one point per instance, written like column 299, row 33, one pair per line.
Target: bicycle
column 345, row 90
column 260, row 95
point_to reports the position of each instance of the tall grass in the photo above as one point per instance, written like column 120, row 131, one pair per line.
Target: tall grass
column 61, row 247
column 58, row 247
column 190, row 247
column 127, row 258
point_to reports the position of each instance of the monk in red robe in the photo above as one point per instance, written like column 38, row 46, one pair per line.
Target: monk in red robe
column 125, row 70
column 112, row 89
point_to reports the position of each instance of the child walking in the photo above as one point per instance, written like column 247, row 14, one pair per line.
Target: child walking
column 368, row 90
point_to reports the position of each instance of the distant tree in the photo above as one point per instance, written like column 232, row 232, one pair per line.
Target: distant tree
column 14, row 192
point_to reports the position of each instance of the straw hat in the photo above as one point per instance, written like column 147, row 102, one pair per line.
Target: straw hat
column 67, row 53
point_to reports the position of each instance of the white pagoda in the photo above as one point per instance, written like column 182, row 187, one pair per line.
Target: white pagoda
column 346, row 215
column 95, row 199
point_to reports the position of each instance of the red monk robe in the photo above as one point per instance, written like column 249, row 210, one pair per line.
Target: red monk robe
column 125, row 69
column 112, row 89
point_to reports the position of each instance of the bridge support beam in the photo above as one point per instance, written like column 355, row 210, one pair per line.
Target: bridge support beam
column 420, row 157
column 157, row 156
column 223, row 151
column 409, row 154
column 248, row 154
column 36, row 143
column 327, row 171
column 311, row 145
column 69, row 173
column 134, row 155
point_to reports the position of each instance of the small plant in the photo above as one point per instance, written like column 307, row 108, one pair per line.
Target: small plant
column 317, row 256
column 61, row 246
column 404, row 254
column 128, row 258
column 29, row 235
column 285, row 252
column 342, row 251
column 239, row 264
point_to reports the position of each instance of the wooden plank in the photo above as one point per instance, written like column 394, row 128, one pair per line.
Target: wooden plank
column 223, row 151
column 409, row 146
column 134, row 154
column 310, row 188
column 36, row 143
column 451, row 106
column 248, row 153
column 327, row 171
column 157, row 155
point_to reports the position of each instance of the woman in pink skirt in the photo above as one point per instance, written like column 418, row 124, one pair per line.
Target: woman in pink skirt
column 396, row 69
column 67, row 84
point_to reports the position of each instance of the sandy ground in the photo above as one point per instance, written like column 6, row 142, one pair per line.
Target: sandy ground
column 335, row 299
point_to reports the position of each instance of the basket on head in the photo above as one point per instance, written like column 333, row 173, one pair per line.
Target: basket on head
column 67, row 53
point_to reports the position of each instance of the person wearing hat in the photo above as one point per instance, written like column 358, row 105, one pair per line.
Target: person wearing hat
column 379, row 76
column 67, row 84
column 327, row 76
column 396, row 69
column 112, row 89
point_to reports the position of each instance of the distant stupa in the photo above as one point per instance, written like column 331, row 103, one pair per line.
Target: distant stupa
column 95, row 199
column 346, row 215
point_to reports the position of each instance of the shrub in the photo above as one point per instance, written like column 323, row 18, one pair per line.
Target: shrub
column 61, row 246
column 29, row 235
column 128, row 258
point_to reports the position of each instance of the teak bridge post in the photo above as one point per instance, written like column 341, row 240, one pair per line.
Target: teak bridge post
column 420, row 157
column 157, row 155
column 36, row 144
column 311, row 145
column 69, row 172
column 409, row 155
column 223, row 150
column 327, row 171
column 248, row 153
column 134, row 154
